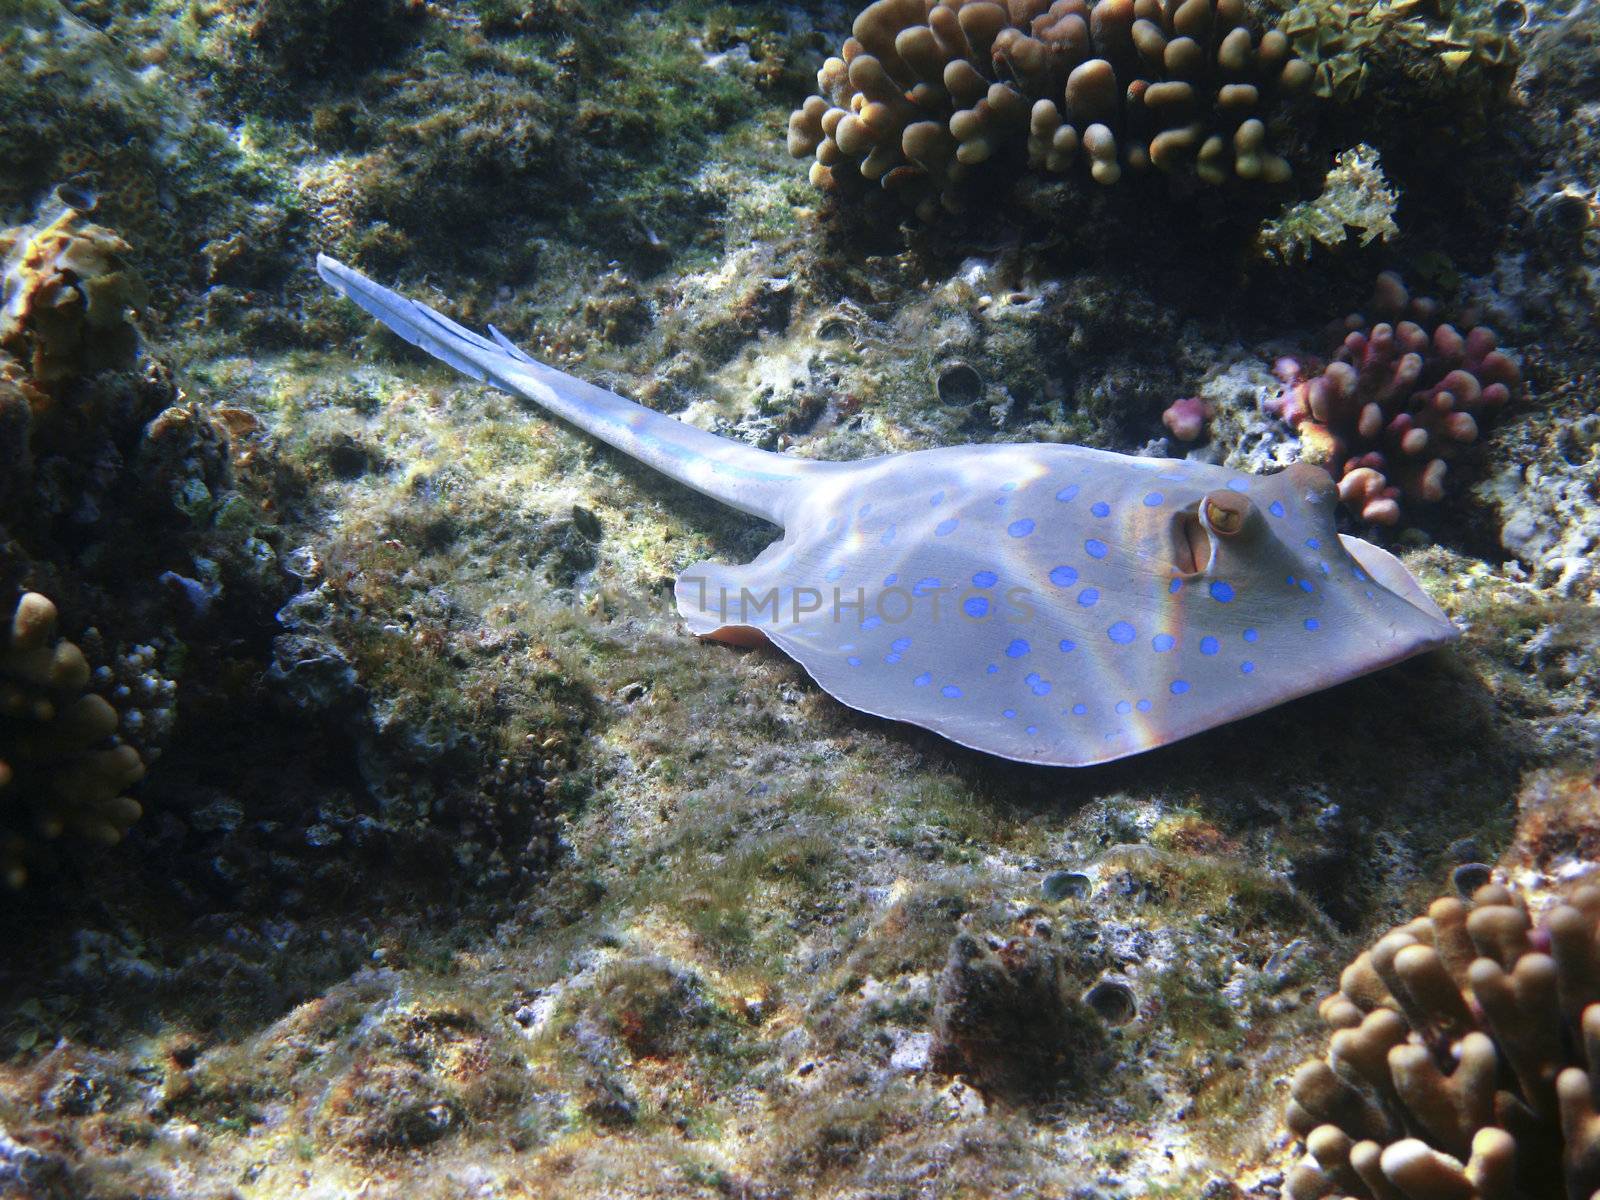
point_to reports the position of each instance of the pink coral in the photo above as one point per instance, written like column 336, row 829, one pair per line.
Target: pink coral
column 1185, row 419
column 1399, row 399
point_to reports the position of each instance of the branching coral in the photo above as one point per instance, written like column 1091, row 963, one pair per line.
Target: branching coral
column 1397, row 402
column 1465, row 1059
column 927, row 90
column 61, row 769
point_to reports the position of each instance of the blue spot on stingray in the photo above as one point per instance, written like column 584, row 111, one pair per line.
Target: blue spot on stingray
column 853, row 661
column 1289, row 579
column 1209, row 645
column 1122, row 633
column 936, row 498
column 1002, row 501
column 922, row 680
column 946, row 527
column 992, row 669
column 1153, row 499
column 1089, row 597
column 923, row 586
column 888, row 536
column 1370, row 596
column 1008, row 487
column 1238, row 485
column 1313, row 544
column 1020, row 528
column 1222, row 591
column 1174, row 587
column 1068, row 645
column 1359, row 574
column 1095, row 548
column 1143, row 706
column 1124, row 707
column 1247, row 666
column 1079, row 709
column 889, row 580
column 848, row 646
column 976, row 606
column 1067, row 493
column 834, row 574
column 889, row 660
column 1063, row 576
column 1179, row 687
column 1031, row 730
column 1009, row 714
column 1100, row 508
column 1276, row 508
column 1037, row 685
column 1250, row 635
column 1162, row 642
column 950, row 692
column 1307, row 586
column 900, row 645
column 1323, row 567
column 1313, row 624
column 1017, row 648
column 872, row 622
column 985, row 579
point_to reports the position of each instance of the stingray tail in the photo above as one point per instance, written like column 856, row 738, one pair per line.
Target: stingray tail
column 738, row 475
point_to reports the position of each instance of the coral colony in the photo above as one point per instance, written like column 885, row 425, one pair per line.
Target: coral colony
column 1400, row 399
column 1463, row 1058
column 923, row 94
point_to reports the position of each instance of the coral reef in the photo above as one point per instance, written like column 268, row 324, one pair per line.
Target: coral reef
column 924, row 92
column 1461, row 1059
column 62, row 769
column 1400, row 399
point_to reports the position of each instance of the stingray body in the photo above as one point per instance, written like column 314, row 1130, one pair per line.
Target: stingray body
column 1046, row 603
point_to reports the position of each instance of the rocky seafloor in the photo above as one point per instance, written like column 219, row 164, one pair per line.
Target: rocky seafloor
column 369, row 824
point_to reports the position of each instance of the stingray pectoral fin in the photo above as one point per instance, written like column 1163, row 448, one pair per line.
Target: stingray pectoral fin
column 1388, row 572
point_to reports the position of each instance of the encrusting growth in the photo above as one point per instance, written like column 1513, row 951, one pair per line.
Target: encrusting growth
column 61, row 770
column 1465, row 1060
column 927, row 90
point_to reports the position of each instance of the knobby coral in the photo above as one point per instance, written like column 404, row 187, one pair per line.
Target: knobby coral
column 1465, row 1059
column 927, row 90
column 62, row 771
column 1400, row 399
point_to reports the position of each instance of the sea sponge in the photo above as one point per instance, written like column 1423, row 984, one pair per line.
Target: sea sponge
column 1465, row 1059
column 62, row 771
column 927, row 90
column 1399, row 400
column 65, row 295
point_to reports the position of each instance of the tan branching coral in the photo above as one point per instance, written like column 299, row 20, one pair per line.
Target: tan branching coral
column 1465, row 1059
column 927, row 90
column 66, row 292
column 61, row 768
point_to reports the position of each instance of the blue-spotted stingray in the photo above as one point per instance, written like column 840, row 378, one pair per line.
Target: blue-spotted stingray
column 1045, row 603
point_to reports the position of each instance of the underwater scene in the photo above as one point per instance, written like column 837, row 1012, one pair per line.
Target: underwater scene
column 755, row 601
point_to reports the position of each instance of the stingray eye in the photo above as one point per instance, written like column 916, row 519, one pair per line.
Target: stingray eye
column 1225, row 512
